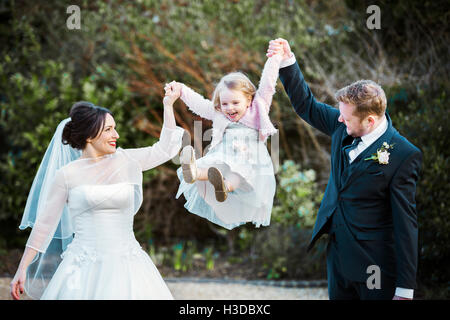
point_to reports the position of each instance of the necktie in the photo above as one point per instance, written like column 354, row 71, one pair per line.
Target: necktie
column 350, row 147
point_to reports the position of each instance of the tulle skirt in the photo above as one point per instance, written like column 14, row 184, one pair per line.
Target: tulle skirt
column 91, row 274
column 240, row 154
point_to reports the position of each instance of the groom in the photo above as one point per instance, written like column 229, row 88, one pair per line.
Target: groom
column 369, row 208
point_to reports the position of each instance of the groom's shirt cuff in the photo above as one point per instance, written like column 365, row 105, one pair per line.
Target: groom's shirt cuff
column 287, row 62
column 404, row 293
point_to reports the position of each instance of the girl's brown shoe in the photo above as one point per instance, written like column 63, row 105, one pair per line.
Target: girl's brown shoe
column 217, row 180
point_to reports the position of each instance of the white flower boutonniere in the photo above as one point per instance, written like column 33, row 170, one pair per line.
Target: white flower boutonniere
column 382, row 155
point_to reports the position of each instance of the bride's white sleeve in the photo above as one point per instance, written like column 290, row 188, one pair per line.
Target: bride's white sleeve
column 166, row 148
column 49, row 215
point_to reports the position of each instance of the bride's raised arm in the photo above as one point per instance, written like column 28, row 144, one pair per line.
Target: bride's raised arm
column 169, row 143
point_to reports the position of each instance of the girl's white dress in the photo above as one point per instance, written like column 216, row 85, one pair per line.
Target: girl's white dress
column 243, row 154
column 104, row 260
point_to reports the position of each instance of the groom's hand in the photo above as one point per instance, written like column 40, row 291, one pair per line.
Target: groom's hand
column 281, row 46
column 400, row 298
column 275, row 47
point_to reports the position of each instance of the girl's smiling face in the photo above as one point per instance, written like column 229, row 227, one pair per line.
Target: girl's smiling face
column 233, row 103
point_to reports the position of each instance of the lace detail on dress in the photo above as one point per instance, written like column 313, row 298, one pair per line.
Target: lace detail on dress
column 81, row 254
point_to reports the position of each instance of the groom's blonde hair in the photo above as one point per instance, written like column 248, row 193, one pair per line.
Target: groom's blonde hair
column 366, row 95
column 233, row 81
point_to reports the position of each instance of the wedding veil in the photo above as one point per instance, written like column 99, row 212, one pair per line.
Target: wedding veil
column 43, row 265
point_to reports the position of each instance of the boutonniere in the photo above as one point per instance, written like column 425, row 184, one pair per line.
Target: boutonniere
column 382, row 155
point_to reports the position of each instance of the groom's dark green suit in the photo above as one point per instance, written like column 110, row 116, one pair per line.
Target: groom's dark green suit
column 368, row 208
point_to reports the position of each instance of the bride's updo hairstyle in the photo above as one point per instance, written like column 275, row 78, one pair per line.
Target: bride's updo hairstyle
column 87, row 121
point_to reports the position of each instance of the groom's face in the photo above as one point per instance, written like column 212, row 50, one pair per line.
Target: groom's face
column 355, row 127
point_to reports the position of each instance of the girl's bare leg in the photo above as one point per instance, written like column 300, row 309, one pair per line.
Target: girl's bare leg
column 202, row 174
column 232, row 182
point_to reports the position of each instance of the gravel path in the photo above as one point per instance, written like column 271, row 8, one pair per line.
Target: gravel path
column 223, row 289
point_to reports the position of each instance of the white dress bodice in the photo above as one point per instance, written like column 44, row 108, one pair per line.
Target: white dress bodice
column 107, row 227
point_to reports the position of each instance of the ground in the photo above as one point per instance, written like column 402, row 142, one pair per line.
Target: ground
column 218, row 289
column 225, row 282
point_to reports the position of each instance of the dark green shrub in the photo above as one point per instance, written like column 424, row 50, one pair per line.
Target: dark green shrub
column 279, row 251
column 422, row 117
column 32, row 105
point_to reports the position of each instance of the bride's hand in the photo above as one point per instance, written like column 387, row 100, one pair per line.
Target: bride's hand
column 17, row 285
column 173, row 92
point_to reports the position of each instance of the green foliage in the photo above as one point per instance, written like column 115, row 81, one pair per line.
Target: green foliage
column 297, row 197
column 32, row 105
column 422, row 116
column 209, row 257
column 414, row 33
column 179, row 258
column 183, row 256
column 279, row 251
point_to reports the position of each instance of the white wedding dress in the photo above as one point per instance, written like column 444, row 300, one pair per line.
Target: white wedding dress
column 104, row 260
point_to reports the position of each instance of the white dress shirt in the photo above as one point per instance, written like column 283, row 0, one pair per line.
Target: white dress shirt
column 366, row 141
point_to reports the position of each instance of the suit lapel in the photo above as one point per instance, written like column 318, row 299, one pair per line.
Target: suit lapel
column 359, row 165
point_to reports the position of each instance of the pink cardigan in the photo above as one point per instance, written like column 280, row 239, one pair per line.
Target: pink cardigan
column 257, row 114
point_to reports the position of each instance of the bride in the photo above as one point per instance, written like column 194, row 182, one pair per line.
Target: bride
column 81, row 208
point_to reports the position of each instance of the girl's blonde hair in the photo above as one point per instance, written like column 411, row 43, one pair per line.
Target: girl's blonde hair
column 233, row 81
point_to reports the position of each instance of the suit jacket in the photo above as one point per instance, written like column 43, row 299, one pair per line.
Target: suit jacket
column 376, row 202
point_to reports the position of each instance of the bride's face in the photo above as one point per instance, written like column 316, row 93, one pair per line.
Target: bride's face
column 105, row 142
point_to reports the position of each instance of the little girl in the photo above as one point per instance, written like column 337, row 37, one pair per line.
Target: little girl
column 234, row 182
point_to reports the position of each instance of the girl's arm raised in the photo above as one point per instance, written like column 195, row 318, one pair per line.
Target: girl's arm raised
column 197, row 103
column 268, row 81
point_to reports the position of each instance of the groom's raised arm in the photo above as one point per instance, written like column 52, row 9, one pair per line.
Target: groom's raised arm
column 320, row 115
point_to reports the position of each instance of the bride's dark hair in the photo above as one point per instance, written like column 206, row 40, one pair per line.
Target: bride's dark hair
column 87, row 121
